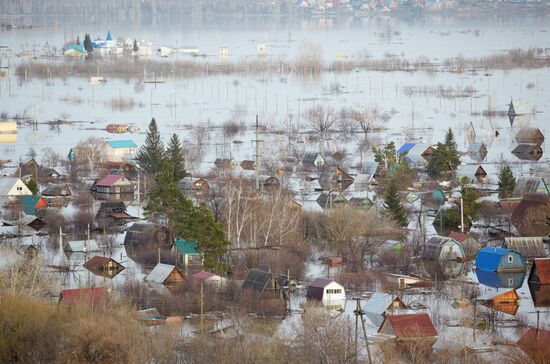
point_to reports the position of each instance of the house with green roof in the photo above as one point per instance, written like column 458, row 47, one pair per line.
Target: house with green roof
column 119, row 150
column 191, row 257
column 32, row 203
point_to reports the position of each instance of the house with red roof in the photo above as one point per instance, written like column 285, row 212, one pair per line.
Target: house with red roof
column 209, row 279
column 417, row 326
column 113, row 184
column 93, row 295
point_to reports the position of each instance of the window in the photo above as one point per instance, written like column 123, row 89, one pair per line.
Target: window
column 334, row 291
column 19, row 188
column 510, row 282
column 510, row 259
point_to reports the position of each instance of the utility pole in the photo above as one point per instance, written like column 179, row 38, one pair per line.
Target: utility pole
column 202, row 308
column 461, row 214
column 257, row 156
column 359, row 312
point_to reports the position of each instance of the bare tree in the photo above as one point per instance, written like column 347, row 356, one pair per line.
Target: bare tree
column 90, row 153
column 321, row 118
column 50, row 158
column 240, row 196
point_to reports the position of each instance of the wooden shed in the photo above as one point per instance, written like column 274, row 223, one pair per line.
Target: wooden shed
column 325, row 290
column 380, row 304
column 103, row 266
column 528, row 152
column 499, row 260
column 507, row 301
column 418, row 326
column 165, row 274
column 528, row 135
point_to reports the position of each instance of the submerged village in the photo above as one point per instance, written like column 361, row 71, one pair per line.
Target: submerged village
column 275, row 199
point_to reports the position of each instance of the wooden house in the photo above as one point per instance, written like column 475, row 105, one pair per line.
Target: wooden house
column 225, row 163
column 335, row 179
column 13, row 187
column 191, row 257
column 499, row 260
column 529, row 247
column 92, row 295
column 443, row 249
column 31, row 204
column 124, row 168
column 528, row 135
column 540, row 294
column 144, row 233
column 539, row 282
column 29, row 251
column 165, row 274
column 111, row 213
column 507, row 301
column 528, row 152
column 473, row 172
column 56, row 190
column 261, row 285
column 195, row 186
column 522, row 214
column 330, row 293
column 331, row 199
column 467, row 240
column 119, row 150
column 31, row 169
column 416, row 154
column 114, row 184
column 103, row 266
column 418, row 326
column 380, row 304
column 312, row 161
column 530, row 186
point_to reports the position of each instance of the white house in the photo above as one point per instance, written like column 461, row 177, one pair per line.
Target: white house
column 327, row 291
column 119, row 150
column 443, row 249
column 13, row 186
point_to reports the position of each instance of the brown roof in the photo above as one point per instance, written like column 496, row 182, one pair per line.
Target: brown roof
column 98, row 265
column 543, row 269
column 533, row 340
column 248, row 165
column 412, row 325
column 460, row 237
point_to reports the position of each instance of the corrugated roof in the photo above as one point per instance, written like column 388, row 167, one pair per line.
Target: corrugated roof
column 527, row 152
column 99, row 265
column 30, row 203
column 412, row 325
column 529, row 247
column 82, row 245
column 526, row 185
column 160, row 273
column 530, row 135
column 121, row 144
column 535, row 339
column 82, row 294
column 405, row 148
column 543, row 270
column 109, row 180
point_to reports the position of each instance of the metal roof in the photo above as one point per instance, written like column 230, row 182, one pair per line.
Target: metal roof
column 529, row 247
column 109, row 180
column 543, row 269
column 186, row 247
column 369, row 168
column 412, row 325
column 488, row 258
column 529, row 185
column 256, row 280
column 160, row 273
column 82, row 246
column 121, row 144
column 405, row 148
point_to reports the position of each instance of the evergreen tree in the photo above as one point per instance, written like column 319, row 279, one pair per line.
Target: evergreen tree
column 78, row 40
column 150, row 156
column 393, row 205
column 386, row 156
column 470, row 204
column 33, row 186
column 168, row 205
column 445, row 157
column 174, row 156
column 88, row 46
column 135, row 48
column 506, row 182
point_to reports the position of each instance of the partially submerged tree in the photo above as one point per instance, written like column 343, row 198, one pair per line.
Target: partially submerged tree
column 174, row 156
column 393, row 204
column 470, row 206
column 321, row 118
column 88, row 46
column 506, row 182
column 446, row 157
column 386, row 156
column 150, row 156
column 89, row 154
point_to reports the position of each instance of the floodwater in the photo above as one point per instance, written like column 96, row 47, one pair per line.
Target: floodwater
column 184, row 103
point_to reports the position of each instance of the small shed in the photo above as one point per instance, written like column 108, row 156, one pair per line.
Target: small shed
column 210, row 279
column 526, row 185
column 197, row 186
column 329, row 292
column 29, row 251
column 418, row 326
column 528, row 152
column 33, row 203
column 331, row 199
column 144, row 233
column 113, row 213
column 190, row 255
column 499, row 260
column 477, row 151
column 261, row 284
column 93, row 295
column 500, row 280
column 507, row 301
column 528, row 135
column 529, row 247
column 474, row 172
column 443, row 249
column 380, row 304
column 313, row 160
column 335, row 179
column 82, row 246
column 103, row 266
column 165, row 274
column 57, row 190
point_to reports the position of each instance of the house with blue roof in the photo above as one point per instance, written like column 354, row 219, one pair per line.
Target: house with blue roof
column 119, row 150
column 191, row 256
column 416, row 154
column 499, row 260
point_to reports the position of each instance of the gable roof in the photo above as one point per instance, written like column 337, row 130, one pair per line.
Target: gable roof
column 93, row 294
column 529, row 185
column 543, row 269
column 320, row 282
column 256, row 280
column 204, row 275
column 379, row 302
column 527, row 152
column 529, row 247
column 432, row 247
column 458, row 236
column 405, row 148
column 186, row 247
column 96, row 265
column 82, row 246
column 160, row 273
column 121, row 144
column 7, row 183
column 530, row 135
column 412, row 325
column 109, row 180
column 32, row 202
column 488, row 258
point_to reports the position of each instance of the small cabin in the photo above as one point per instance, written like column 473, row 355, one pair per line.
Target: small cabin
column 380, row 304
column 528, row 152
column 335, row 179
column 190, row 255
column 443, row 249
column 507, row 301
column 197, row 186
column 261, row 285
column 528, row 135
column 103, row 266
column 114, row 184
column 473, row 172
column 33, row 203
column 540, row 271
column 82, row 246
column 417, row 326
column 327, row 291
column 499, row 260
column 165, row 274
column 119, row 150
column 29, row 251
column 57, row 190
column 13, row 186
column 209, row 279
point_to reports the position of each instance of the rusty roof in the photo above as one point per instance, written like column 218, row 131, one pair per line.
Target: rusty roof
column 417, row 325
column 543, row 269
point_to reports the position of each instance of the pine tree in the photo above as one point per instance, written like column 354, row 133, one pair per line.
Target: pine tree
column 33, row 186
column 174, row 156
column 78, row 40
column 135, row 48
column 445, row 157
column 506, row 182
column 150, row 156
column 393, row 205
column 88, row 46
